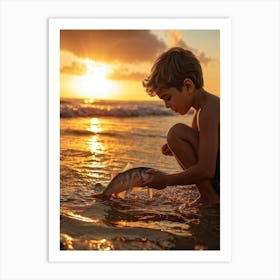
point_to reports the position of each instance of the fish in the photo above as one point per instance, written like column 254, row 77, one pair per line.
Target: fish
column 125, row 181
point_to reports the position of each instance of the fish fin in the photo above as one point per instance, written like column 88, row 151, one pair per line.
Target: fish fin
column 121, row 194
column 137, row 188
column 150, row 192
column 128, row 166
column 124, row 194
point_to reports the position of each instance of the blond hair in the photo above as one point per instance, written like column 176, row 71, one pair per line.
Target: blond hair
column 171, row 68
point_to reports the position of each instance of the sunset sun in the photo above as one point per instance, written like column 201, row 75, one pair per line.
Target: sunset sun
column 94, row 82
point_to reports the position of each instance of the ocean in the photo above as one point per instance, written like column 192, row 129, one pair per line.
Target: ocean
column 100, row 138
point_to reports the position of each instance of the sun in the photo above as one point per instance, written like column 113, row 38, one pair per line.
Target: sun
column 94, row 84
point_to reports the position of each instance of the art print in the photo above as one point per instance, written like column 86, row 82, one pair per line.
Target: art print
column 113, row 119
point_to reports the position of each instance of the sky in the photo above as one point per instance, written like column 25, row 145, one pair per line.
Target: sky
column 111, row 64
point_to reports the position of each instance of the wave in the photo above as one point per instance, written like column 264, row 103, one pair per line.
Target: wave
column 67, row 112
column 80, row 132
column 77, row 108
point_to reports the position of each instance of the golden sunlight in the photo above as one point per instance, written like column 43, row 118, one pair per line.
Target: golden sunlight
column 94, row 84
column 94, row 125
column 95, row 145
column 97, row 148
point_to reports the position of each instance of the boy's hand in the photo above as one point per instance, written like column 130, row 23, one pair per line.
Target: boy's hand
column 166, row 151
column 157, row 180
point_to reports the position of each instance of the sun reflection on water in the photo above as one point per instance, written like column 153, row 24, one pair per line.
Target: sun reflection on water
column 68, row 242
column 168, row 226
column 95, row 125
column 79, row 217
column 96, row 146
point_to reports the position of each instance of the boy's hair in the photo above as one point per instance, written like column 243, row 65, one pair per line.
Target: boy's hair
column 171, row 69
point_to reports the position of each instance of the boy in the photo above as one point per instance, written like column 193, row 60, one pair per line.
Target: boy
column 176, row 78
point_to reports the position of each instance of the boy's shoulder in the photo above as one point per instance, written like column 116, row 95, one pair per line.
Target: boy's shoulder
column 211, row 105
column 212, row 97
column 211, row 101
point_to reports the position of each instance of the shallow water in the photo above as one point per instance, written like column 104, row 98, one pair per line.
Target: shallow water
column 165, row 222
column 102, row 142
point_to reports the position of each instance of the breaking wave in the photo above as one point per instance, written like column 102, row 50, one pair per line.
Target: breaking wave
column 75, row 108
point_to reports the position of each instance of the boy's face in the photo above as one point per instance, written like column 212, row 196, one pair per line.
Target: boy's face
column 178, row 101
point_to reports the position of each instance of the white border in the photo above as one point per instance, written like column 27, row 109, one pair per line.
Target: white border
column 222, row 24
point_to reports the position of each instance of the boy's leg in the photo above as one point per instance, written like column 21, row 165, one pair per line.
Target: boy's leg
column 183, row 141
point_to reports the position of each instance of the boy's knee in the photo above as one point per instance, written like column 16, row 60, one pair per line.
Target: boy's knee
column 174, row 133
column 181, row 132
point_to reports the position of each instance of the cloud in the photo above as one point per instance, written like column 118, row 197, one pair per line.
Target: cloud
column 176, row 38
column 202, row 57
column 126, row 74
column 112, row 45
column 75, row 68
column 128, row 53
